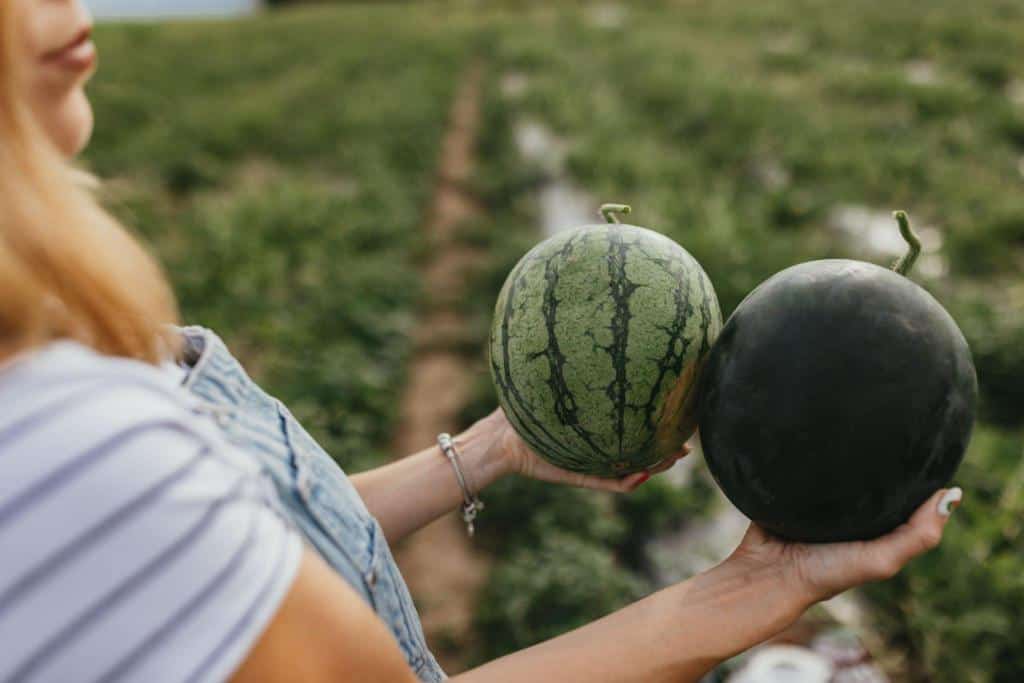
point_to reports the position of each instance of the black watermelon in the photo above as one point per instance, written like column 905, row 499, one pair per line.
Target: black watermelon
column 838, row 397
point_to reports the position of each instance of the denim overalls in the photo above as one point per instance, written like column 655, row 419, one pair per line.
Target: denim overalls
column 314, row 490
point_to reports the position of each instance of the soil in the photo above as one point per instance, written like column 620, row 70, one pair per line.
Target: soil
column 439, row 563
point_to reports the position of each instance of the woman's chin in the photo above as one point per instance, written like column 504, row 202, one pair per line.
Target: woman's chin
column 84, row 134
column 70, row 125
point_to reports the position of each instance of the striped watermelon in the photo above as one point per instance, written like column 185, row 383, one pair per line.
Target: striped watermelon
column 597, row 339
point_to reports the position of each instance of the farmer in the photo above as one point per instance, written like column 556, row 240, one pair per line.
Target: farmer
column 162, row 518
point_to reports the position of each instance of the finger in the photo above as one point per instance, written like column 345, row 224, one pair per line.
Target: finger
column 619, row 485
column 631, row 481
column 670, row 461
column 753, row 537
column 919, row 534
column 663, row 465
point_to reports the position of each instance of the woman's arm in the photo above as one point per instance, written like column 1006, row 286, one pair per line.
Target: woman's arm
column 413, row 491
column 677, row 634
column 324, row 632
column 682, row 632
column 409, row 493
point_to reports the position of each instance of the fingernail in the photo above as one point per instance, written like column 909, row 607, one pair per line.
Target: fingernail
column 644, row 477
column 950, row 500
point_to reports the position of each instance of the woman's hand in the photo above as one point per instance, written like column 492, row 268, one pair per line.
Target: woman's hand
column 819, row 571
column 684, row 630
column 518, row 458
column 411, row 492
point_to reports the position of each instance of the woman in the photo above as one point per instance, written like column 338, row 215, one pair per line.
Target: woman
column 162, row 518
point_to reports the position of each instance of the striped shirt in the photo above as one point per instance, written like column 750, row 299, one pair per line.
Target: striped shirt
column 135, row 542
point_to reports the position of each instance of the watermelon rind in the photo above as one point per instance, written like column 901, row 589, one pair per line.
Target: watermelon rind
column 598, row 337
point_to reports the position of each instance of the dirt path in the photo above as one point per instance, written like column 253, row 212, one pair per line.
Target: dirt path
column 443, row 571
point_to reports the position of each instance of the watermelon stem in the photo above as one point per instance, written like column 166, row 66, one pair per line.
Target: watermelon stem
column 906, row 262
column 609, row 211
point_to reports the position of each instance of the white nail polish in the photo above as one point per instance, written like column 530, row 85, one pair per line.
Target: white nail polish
column 952, row 496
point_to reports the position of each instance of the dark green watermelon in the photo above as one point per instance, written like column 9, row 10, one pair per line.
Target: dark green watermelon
column 839, row 396
column 597, row 340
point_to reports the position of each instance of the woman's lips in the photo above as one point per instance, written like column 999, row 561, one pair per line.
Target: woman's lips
column 78, row 55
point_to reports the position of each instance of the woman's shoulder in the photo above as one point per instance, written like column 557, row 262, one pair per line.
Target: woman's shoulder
column 71, row 415
column 67, row 408
column 66, row 364
column 126, row 520
column 69, row 391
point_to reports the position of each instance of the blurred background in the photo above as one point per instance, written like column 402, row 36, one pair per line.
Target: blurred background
column 289, row 164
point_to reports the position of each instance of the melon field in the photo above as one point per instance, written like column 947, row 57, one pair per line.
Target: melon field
column 283, row 167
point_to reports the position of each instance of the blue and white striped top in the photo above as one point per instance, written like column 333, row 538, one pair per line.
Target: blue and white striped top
column 135, row 542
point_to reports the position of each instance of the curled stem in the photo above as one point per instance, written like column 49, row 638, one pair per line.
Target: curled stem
column 906, row 262
column 609, row 211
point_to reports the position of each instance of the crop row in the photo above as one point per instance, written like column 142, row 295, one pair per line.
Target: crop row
column 752, row 134
column 282, row 184
column 282, row 176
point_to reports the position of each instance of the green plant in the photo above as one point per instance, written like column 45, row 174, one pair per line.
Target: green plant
column 543, row 591
column 956, row 608
column 521, row 513
column 739, row 127
column 995, row 330
column 659, row 506
column 285, row 207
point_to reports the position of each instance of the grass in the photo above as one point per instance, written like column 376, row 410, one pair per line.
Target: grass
column 280, row 166
column 738, row 129
column 282, row 182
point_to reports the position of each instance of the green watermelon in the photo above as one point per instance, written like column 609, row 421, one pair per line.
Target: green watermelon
column 598, row 336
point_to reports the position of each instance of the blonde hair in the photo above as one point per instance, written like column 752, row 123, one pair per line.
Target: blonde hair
column 68, row 269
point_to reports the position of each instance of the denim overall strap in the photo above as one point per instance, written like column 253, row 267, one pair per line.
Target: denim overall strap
column 315, row 492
